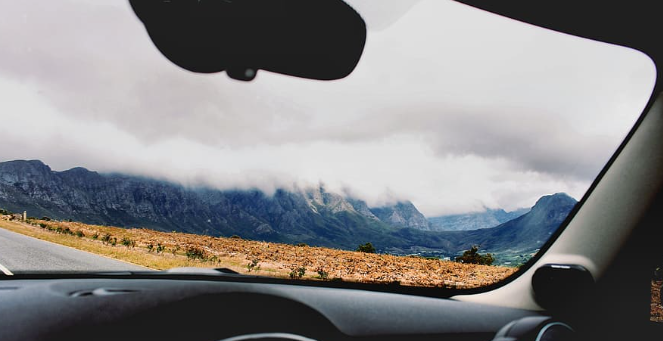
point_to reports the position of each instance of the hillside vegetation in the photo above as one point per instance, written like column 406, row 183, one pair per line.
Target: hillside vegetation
column 311, row 215
column 163, row 250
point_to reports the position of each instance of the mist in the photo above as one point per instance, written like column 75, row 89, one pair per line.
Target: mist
column 451, row 108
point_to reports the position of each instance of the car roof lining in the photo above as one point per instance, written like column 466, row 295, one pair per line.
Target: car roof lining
column 634, row 25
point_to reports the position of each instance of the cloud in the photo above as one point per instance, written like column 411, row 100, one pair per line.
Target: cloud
column 449, row 107
column 400, row 168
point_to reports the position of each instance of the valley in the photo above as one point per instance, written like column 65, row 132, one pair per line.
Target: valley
column 165, row 250
column 311, row 216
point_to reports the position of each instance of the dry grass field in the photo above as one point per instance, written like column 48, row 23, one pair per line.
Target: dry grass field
column 163, row 250
column 656, row 308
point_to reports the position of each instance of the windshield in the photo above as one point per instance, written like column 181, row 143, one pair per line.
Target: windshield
column 448, row 158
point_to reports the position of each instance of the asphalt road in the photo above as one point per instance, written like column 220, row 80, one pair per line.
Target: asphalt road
column 22, row 254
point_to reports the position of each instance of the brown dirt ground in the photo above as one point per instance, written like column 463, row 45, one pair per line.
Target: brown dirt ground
column 656, row 308
column 277, row 260
column 270, row 259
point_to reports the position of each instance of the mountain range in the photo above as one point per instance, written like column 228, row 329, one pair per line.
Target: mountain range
column 474, row 220
column 313, row 215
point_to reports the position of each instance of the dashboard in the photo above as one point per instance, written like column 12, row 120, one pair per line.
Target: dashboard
column 124, row 308
column 168, row 309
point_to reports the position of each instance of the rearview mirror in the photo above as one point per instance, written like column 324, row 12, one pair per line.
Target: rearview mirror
column 316, row 39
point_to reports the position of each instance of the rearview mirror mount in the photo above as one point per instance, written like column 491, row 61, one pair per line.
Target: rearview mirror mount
column 315, row 39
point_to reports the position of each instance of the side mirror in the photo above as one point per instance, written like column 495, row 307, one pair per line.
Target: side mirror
column 320, row 39
column 559, row 286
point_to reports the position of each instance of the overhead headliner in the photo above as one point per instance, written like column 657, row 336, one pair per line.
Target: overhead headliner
column 635, row 24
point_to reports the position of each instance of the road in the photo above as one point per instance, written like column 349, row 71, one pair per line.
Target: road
column 23, row 254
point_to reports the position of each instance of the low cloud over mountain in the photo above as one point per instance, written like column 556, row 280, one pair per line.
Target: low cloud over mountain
column 312, row 215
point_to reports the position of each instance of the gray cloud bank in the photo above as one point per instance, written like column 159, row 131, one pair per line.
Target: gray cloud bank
column 449, row 107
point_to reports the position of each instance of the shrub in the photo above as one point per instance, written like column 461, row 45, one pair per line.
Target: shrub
column 253, row 265
column 150, row 247
column 95, row 235
column 4, row 212
column 297, row 273
column 367, row 248
column 302, row 244
column 195, row 253
column 106, row 239
column 472, row 256
column 80, row 234
column 42, row 225
column 161, row 248
column 113, row 242
column 322, row 274
column 46, row 218
column 128, row 242
column 234, row 236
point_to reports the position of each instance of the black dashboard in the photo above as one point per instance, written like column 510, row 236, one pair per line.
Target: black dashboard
column 180, row 309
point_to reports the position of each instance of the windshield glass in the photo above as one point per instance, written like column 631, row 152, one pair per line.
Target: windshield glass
column 448, row 157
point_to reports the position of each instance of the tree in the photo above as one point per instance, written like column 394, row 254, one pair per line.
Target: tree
column 367, row 248
column 472, row 256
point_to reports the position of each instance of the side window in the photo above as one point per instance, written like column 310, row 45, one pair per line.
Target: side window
column 656, row 283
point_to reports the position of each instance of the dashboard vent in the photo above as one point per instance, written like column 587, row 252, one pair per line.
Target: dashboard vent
column 269, row 337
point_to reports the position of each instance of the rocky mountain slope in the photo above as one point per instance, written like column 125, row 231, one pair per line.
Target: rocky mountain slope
column 402, row 214
column 312, row 216
column 308, row 216
column 528, row 231
column 474, row 220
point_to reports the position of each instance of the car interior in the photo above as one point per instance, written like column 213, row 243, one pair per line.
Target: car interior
column 591, row 280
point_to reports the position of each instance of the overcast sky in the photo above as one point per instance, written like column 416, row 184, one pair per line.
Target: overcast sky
column 450, row 107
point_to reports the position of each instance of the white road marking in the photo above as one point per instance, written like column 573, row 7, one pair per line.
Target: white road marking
column 5, row 270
